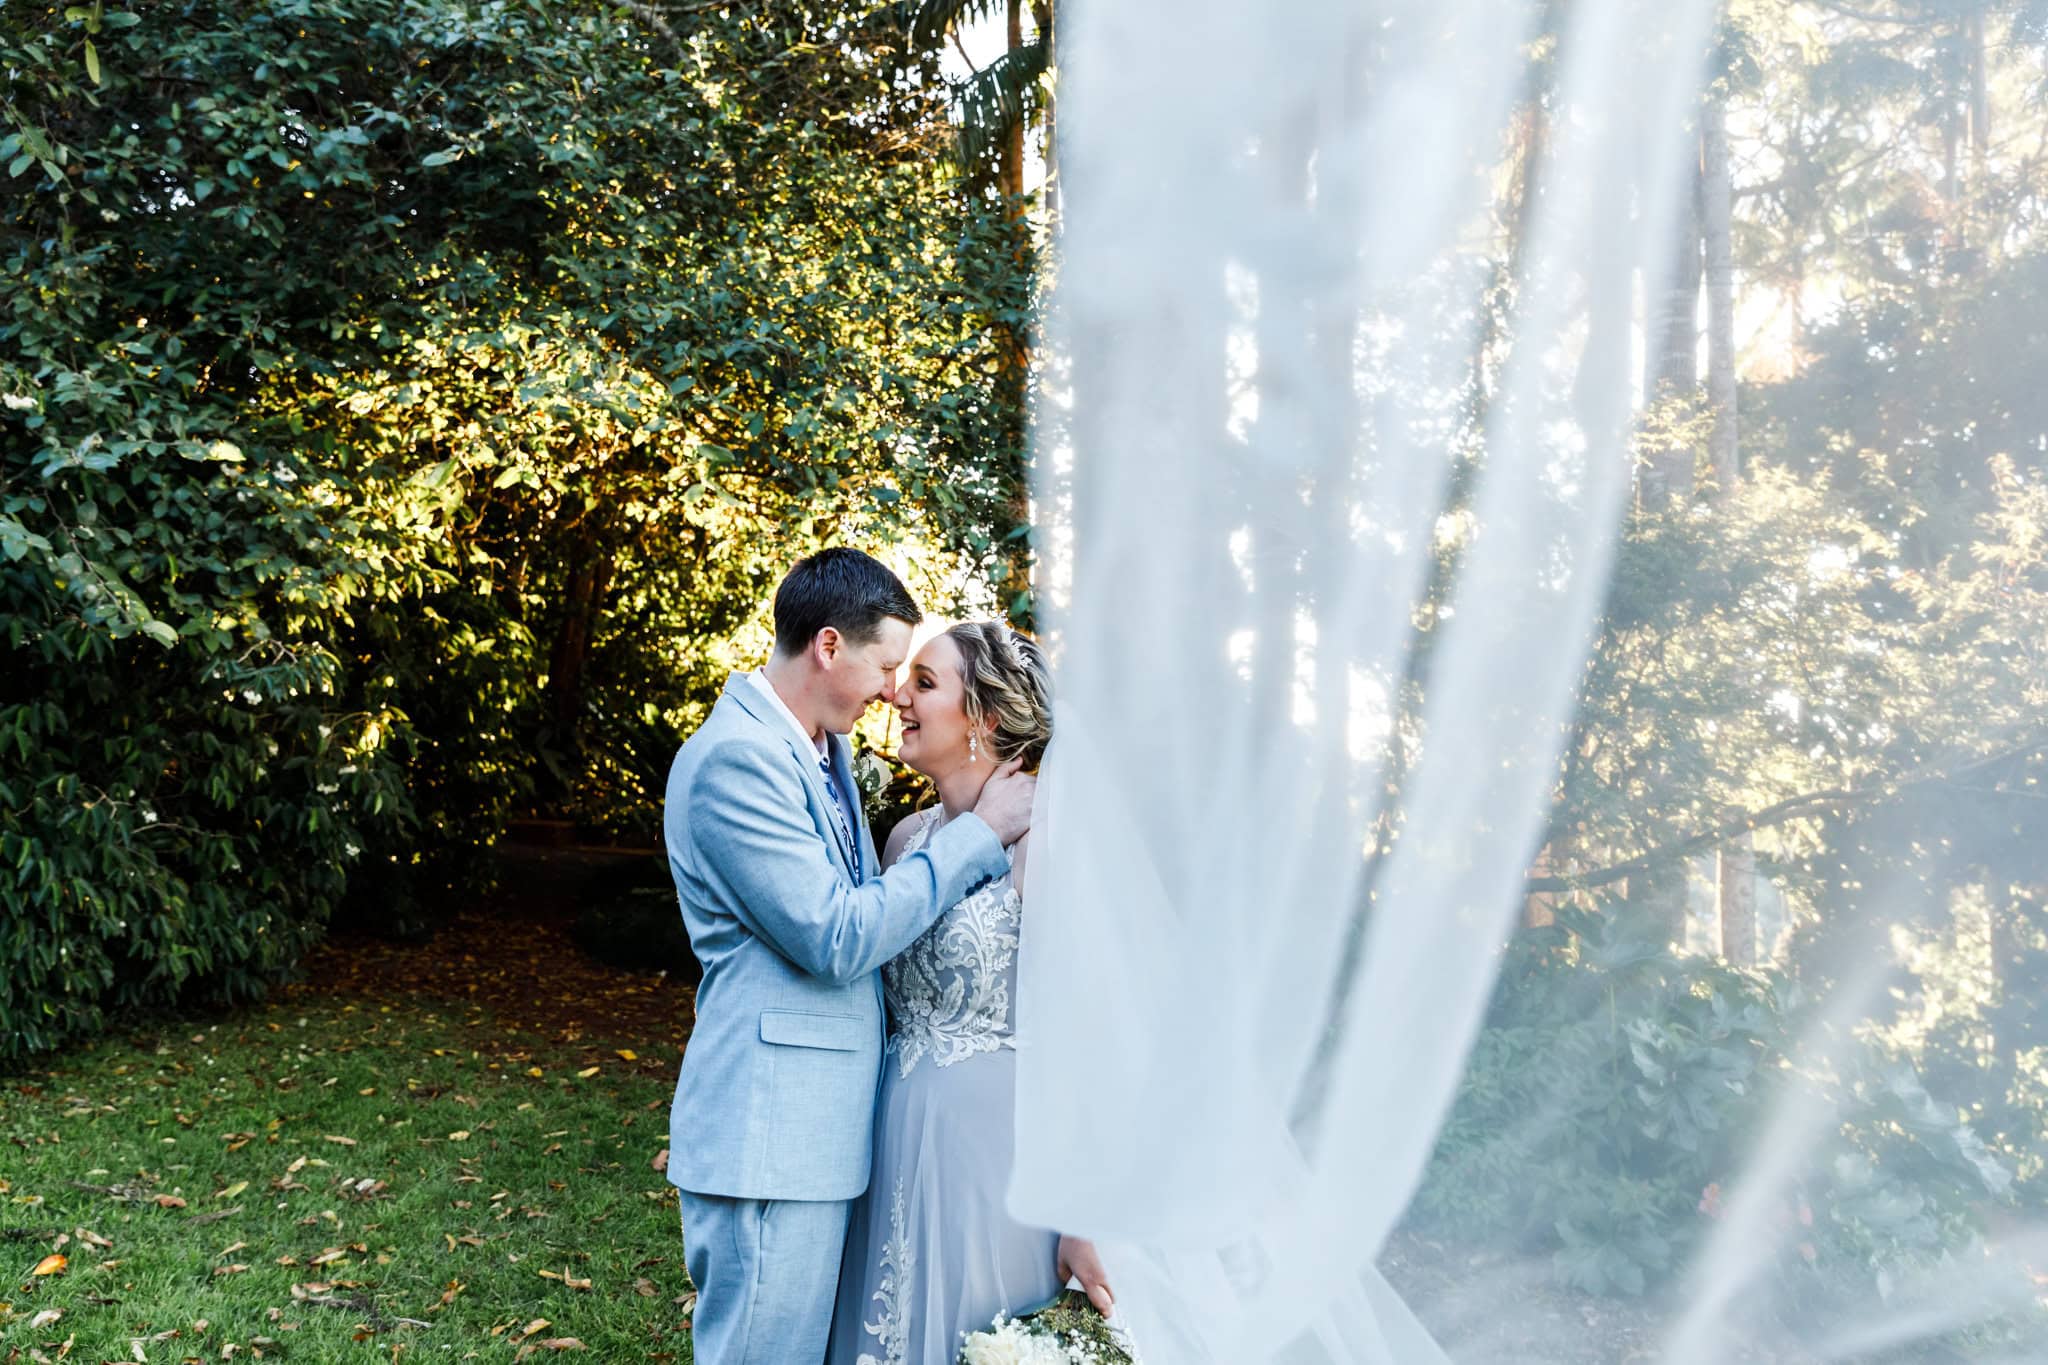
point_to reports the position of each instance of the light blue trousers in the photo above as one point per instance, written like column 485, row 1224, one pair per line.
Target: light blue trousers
column 766, row 1272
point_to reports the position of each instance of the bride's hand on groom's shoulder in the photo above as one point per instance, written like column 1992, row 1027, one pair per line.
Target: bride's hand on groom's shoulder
column 1079, row 1261
column 1005, row 803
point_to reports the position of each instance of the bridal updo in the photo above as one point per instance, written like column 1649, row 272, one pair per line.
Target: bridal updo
column 1007, row 685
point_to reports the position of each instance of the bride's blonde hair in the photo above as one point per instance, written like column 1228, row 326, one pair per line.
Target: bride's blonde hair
column 1008, row 686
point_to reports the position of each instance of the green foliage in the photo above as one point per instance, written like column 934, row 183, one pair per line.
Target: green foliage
column 1840, row 662
column 998, row 98
column 1616, row 1087
column 1068, row 1326
column 404, row 405
column 1073, row 1319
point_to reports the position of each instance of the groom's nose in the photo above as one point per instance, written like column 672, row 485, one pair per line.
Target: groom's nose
column 888, row 694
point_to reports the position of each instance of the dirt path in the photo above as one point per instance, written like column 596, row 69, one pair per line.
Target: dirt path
column 511, row 969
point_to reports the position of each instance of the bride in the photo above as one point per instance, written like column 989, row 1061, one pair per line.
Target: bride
column 930, row 1251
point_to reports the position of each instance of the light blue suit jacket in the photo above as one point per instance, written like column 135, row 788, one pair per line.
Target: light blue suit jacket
column 776, row 1095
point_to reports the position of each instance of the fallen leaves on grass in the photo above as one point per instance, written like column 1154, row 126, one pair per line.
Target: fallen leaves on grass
column 316, row 1294
column 550, row 1344
column 565, row 1277
column 127, row 1194
column 51, row 1265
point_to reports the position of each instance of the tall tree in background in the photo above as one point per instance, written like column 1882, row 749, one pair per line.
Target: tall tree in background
column 1736, row 870
column 1671, row 346
column 994, row 108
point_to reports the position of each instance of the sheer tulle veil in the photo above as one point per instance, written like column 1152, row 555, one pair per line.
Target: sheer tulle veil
column 1281, row 415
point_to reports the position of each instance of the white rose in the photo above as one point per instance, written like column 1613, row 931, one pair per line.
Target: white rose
column 1002, row 1344
column 985, row 1349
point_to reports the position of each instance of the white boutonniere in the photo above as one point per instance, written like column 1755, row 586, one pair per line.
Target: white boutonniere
column 870, row 775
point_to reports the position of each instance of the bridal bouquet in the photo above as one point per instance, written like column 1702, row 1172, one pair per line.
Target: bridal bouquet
column 1067, row 1331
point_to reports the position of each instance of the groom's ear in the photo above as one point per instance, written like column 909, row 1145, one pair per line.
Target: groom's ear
column 825, row 645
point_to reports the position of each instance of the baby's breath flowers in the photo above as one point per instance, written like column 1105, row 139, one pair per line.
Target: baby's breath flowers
column 1067, row 1331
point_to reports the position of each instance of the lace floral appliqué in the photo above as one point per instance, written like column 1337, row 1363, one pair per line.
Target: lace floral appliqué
column 892, row 1328
column 949, row 992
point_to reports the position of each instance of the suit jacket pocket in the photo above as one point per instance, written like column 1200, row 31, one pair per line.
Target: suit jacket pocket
column 805, row 1028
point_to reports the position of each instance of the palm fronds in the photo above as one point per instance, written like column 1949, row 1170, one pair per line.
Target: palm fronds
column 996, row 99
column 931, row 20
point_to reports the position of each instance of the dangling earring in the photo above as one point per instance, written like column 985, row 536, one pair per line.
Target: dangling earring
column 974, row 747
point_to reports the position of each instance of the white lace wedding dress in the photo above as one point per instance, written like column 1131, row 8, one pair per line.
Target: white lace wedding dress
column 930, row 1251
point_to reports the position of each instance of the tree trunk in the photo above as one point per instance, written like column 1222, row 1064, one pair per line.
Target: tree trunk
column 1042, row 15
column 1539, row 909
column 590, row 577
column 1951, row 157
column 2017, row 914
column 1737, row 901
column 1010, row 172
column 1664, row 894
column 1980, row 86
column 2004, row 956
column 1671, row 350
column 1735, row 904
column 1013, row 383
column 1716, row 193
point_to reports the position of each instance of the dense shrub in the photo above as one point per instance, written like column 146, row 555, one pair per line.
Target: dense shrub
column 1614, row 1095
column 403, row 402
column 637, row 929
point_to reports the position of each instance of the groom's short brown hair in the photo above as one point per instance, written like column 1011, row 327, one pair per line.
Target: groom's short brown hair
column 841, row 588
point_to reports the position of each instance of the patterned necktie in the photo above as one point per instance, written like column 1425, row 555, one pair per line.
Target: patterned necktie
column 842, row 813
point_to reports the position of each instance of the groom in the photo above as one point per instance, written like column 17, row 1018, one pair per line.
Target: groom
column 769, row 1133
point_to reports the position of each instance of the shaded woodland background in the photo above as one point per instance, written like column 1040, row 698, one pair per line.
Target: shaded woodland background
column 408, row 407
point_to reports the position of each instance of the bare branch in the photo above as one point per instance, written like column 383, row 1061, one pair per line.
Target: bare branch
column 1783, row 812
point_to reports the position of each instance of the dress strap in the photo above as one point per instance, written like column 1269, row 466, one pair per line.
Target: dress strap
column 927, row 821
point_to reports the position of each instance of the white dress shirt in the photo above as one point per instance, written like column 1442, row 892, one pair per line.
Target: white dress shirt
column 843, row 815
column 759, row 677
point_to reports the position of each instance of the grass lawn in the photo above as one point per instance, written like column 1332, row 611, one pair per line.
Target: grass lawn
column 335, row 1176
column 443, row 1151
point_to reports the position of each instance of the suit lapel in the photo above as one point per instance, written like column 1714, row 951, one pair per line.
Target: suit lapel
column 741, row 690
